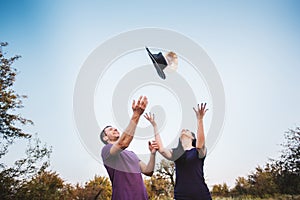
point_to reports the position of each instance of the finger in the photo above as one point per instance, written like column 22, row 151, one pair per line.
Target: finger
column 195, row 110
column 145, row 99
column 133, row 104
column 145, row 102
column 154, row 144
column 204, row 105
column 140, row 100
column 198, row 107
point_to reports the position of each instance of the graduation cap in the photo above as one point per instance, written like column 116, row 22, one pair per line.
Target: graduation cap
column 159, row 63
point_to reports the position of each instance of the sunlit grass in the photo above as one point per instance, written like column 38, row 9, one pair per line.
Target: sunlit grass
column 280, row 197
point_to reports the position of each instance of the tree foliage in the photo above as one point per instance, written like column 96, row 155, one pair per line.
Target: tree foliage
column 44, row 185
column 288, row 166
column 37, row 155
column 290, row 157
column 279, row 176
column 159, row 187
column 10, row 101
column 166, row 169
column 98, row 188
column 262, row 182
column 220, row 190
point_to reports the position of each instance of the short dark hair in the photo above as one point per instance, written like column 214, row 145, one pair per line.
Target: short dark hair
column 102, row 134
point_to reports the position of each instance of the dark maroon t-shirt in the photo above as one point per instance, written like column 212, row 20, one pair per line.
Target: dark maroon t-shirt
column 190, row 183
column 125, row 174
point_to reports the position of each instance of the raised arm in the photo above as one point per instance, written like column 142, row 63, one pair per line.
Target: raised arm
column 149, row 168
column 200, row 145
column 127, row 136
column 167, row 153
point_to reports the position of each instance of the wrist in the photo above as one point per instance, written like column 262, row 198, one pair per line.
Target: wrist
column 135, row 115
column 200, row 119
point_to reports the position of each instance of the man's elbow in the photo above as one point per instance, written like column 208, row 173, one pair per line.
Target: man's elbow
column 148, row 173
column 123, row 144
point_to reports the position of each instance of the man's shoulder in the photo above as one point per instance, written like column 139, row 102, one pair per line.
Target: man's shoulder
column 106, row 146
column 105, row 150
column 105, row 153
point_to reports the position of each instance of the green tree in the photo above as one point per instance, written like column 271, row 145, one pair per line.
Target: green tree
column 291, row 152
column 280, row 176
column 44, row 185
column 262, row 182
column 12, row 177
column 161, row 184
column 98, row 188
column 8, row 185
column 159, row 187
column 241, row 187
column 221, row 190
column 288, row 165
column 166, row 169
column 10, row 101
column 37, row 155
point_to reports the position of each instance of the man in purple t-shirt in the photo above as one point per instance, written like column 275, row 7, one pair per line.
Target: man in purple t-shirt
column 124, row 167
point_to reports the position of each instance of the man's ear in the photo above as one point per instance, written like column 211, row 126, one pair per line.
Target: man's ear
column 105, row 138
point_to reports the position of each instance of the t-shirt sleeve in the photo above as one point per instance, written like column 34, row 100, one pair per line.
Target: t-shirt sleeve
column 105, row 154
column 202, row 152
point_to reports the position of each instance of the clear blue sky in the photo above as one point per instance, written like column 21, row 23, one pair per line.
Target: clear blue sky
column 255, row 46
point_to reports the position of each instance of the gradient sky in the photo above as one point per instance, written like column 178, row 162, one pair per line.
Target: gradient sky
column 255, row 46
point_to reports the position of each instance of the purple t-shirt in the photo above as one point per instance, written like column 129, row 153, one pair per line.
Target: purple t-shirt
column 125, row 174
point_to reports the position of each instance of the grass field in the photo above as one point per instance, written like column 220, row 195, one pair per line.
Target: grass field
column 281, row 197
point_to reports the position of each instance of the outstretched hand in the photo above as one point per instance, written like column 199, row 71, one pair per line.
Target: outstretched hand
column 139, row 106
column 200, row 111
column 150, row 118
